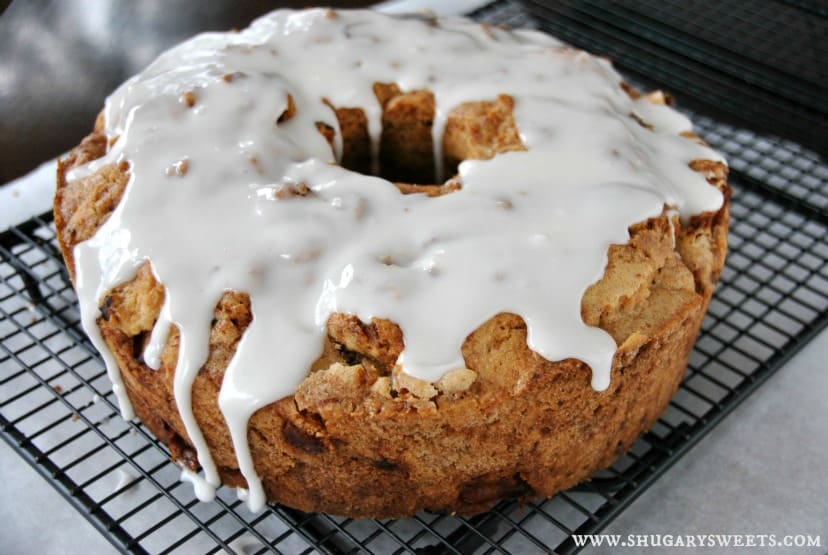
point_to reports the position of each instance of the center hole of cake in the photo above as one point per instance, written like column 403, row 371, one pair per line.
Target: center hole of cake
column 405, row 150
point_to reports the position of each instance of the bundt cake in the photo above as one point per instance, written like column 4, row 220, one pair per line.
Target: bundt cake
column 372, row 265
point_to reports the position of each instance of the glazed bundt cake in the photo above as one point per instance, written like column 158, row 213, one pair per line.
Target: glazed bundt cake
column 370, row 265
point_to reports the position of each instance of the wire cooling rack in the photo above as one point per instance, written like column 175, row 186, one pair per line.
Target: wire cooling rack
column 57, row 410
column 759, row 62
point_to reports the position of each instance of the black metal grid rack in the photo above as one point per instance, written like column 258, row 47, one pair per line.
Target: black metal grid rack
column 757, row 62
column 57, row 410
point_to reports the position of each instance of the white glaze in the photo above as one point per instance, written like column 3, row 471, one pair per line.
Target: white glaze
column 243, row 545
column 590, row 171
column 204, row 490
column 126, row 478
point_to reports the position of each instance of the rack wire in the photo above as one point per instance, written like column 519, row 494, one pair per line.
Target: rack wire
column 755, row 62
column 57, row 410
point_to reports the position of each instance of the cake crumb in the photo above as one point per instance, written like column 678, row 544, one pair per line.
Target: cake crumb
column 456, row 381
column 640, row 121
column 289, row 111
column 178, row 168
column 360, row 209
column 230, row 77
column 254, row 161
column 415, row 386
column 289, row 191
column 188, row 99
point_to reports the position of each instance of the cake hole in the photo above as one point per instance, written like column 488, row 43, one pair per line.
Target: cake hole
column 385, row 464
column 351, row 358
column 300, row 439
column 473, row 131
column 139, row 343
column 105, row 307
column 490, row 488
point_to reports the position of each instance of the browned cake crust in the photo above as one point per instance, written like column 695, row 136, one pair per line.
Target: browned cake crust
column 359, row 438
